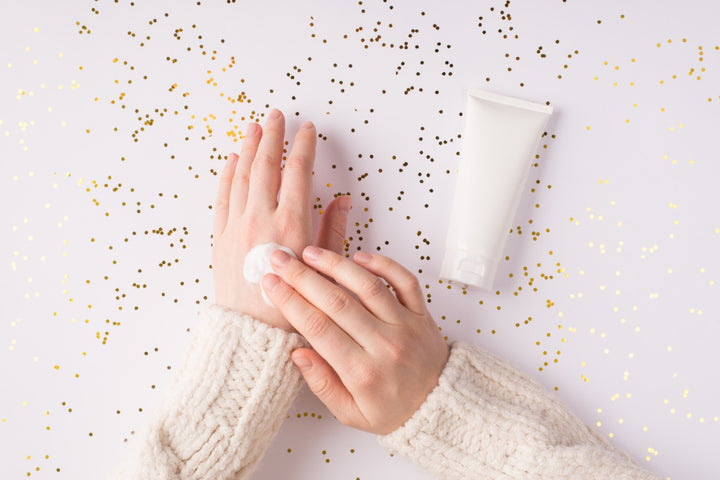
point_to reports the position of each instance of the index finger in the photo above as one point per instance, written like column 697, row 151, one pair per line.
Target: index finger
column 329, row 340
column 370, row 290
column 330, row 299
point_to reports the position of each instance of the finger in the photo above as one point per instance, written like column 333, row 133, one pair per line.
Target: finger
column 265, row 171
column 222, row 203
column 323, row 334
column 370, row 289
column 406, row 285
column 333, row 225
column 241, row 179
column 334, row 302
column 296, row 187
column 325, row 383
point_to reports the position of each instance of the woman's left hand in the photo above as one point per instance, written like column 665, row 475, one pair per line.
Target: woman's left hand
column 256, row 205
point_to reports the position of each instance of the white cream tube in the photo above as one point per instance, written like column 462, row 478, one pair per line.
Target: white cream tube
column 500, row 139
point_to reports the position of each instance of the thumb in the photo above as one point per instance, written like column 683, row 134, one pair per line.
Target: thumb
column 325, row 383
column 333, row 225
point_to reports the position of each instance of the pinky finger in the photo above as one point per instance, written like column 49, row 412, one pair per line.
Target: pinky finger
column 406, row 285
column 222, row 204
column 325, row 383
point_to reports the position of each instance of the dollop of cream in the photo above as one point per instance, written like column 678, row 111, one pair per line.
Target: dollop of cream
column 257, row 264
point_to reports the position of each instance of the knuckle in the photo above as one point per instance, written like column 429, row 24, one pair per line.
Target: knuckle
column 384, row 262
column 298, row 162
column 253, row 221
column 337, row 228
column 323, row 388
column 263, row 160
column 241, row 177
column 365, row 377
column 287, row 224
column 333, row 260
column 396, row 351
column 222, row 204
column 336, row 301
column 331, row 263
column 316, row 324
column 283, row 296
column 298, row 273
column 374, row 287
column 411, row 283
column 226, row 177
column 247, row 146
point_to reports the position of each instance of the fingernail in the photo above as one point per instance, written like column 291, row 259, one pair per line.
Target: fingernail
column 274, row 114
column 362, row 257
column 279, row 258
column 233, row 157
column 345, row 204
column 270, row 282
column 302, row 362
column 252, row 129
column 307, row 125
column 311, row 252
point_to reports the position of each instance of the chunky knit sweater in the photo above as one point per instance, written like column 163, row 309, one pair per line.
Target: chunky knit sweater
column 484, row 420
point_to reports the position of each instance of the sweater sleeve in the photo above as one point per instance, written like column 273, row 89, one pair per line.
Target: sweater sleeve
column 486, row 420
column 223, row 407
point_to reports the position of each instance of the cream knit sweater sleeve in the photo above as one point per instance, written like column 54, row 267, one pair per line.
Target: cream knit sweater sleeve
column 224, row 406
column 486, row 420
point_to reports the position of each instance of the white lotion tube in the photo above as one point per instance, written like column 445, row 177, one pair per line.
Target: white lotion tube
column 499, row 142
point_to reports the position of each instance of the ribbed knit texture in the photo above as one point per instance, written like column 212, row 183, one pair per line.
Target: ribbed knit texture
column 486, row 420
column 224, row 406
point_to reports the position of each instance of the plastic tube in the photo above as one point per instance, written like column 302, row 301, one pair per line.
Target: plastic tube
column 501, row 135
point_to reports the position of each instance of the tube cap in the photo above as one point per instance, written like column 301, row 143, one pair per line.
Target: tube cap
column 460, row 266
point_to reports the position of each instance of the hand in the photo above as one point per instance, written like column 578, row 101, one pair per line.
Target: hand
column 376, row 360
column 249, row 211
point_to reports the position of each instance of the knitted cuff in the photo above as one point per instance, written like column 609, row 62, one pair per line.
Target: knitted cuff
column 226, row 403
column 431, row 437
column 486, row 420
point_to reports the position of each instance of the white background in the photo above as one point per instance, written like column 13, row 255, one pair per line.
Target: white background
column 106, row 219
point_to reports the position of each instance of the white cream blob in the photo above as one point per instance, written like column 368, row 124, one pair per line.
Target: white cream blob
column 257, row 264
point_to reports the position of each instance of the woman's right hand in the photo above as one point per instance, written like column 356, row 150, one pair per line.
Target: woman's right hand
column 374, row 361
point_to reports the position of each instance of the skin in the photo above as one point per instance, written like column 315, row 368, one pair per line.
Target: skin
column 374, row 360
column 249, row 211
column 377, row 353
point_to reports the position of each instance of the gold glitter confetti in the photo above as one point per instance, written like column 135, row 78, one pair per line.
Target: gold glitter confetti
column 160, row 110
